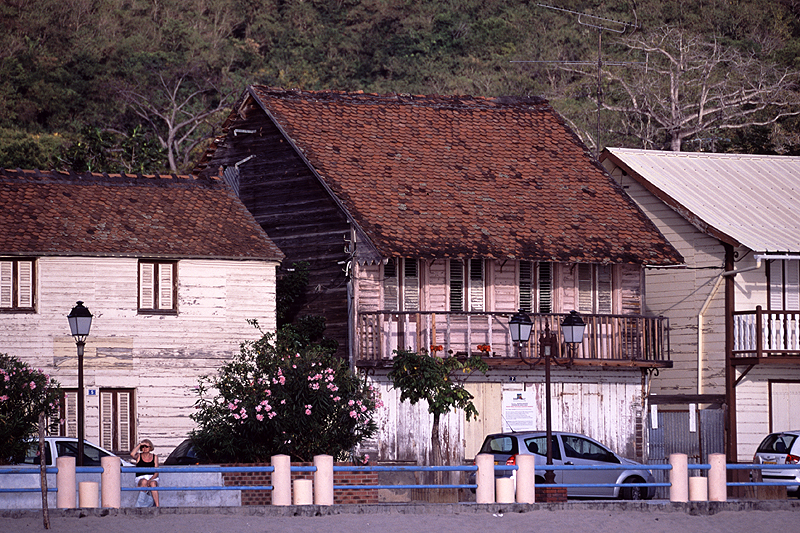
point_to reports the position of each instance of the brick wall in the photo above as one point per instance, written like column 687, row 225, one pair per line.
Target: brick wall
column 340, row 496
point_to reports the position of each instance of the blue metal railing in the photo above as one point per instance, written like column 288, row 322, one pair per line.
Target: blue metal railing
column 34, row 470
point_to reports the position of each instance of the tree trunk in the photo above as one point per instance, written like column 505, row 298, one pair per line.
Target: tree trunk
column 43, row 471
column 436, row 449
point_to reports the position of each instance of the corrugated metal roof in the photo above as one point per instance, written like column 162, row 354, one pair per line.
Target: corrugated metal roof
column 754, row 200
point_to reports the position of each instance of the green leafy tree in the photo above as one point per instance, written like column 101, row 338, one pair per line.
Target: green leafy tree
column 437, row 380
column 24, row 394
column 282, row 395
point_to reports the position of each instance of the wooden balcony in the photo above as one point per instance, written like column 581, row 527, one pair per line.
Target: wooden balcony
column 766, row 337
column 610, row 340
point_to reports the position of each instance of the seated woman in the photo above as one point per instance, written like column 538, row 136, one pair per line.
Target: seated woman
column 144, row 457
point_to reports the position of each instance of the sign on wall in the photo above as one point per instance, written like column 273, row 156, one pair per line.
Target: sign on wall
column 519, row 410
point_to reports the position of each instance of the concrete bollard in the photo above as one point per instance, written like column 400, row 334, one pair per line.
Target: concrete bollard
column 526, row 476
column 303, row 492
column 485, row 478
column 282, row 480
column 88, row 494
column 698, row 489
column 679, row 478
column 323, row 480
column 65, row 482
column 717, row 478
column 110, row 481
column 504, row 489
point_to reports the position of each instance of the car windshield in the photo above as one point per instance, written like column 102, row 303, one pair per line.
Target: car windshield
column 580, row 448
column 504, row 444
column 777, row 443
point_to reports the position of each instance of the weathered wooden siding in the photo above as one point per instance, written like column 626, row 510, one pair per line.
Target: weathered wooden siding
column 159, row 356
column 296, row 212
column 680, row 295
column 606, row 405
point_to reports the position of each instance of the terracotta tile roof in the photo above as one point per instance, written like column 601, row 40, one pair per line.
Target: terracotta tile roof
column 55, row 213
column 459, row 176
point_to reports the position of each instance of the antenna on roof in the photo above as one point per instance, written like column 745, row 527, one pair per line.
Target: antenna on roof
column 600, row 24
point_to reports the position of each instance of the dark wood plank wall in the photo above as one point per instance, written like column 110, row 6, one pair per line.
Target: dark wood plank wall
column 297, row 213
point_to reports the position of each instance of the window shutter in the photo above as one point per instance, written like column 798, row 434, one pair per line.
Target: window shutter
column 525, row 286
column 585, row 289
column 545, row 287
column 25, row 293
column 147, row 285
column 6, row 283
column 165, row 289
column 69, row 428
column 456, row 285
column 476, row 285
column 390, row 301
column 124, row 420
column 107, row 420
column 792, row 285
column 604, row 300
column 410, row 285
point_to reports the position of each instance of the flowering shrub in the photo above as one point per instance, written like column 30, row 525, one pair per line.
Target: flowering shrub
column 24, row 393
column 272, row 399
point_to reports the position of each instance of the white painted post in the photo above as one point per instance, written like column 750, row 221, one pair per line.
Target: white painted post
column 679, row 478
column 323, row 480
column 526, row 475
column 485, row 478
column 717, row 478
column 303, row 493
column 65, row 482
column 282, row 480
column 110, row 481
column 504, row 489
column 88, row 494
column 698, row 489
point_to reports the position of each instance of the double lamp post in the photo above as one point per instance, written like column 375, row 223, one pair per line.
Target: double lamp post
column 573, row 327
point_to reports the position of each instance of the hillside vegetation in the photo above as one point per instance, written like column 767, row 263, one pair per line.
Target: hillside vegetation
column 141, row 85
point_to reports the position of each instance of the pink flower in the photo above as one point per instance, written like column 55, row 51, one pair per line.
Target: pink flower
column 308, row 411
column 260, row 417
column 351, row 403
column 336, row 398
column 353, row 414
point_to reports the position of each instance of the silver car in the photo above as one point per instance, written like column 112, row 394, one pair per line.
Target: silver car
column 573, row 449
column 55, row 447
column 780, row 449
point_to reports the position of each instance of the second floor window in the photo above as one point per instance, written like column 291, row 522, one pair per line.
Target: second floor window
column 784, row 285
column 17, row 284
column 467, row 285
column 401, row 285
column 595, row 289
column 535, row 287
column 157, row 286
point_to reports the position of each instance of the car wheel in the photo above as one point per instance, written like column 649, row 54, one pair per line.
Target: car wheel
column 633, row 493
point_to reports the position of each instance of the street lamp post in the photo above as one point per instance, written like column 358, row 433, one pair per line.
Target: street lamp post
column 520, row 327
column 80, row 322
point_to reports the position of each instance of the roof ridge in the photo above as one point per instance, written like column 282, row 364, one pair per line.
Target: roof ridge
column 108, row 178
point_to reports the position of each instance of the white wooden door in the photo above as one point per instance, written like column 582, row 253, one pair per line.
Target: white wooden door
column 784, row 406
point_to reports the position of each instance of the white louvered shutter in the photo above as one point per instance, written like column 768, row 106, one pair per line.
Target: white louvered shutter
column 70, row 414
column 124, row 421
column 147, row 285
column 6, row 283
column 107, row 420
column 165, row 288
column 390, row 301
column 585, row 289
column 604, row 292
column 410, row 285
column 476, row 285
column 792, row 285
column 25, row 284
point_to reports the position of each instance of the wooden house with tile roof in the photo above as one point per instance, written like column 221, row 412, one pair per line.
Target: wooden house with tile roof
column 171, row 267
column 428, row 220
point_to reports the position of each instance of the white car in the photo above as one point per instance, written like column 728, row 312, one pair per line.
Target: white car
column 780, row 449
column 55, row 447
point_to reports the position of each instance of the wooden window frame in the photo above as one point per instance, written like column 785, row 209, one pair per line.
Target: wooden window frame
column 153, row 288
column 116, row 441
column 535, row 291
column 462, row 284
column 787, row 286
column 402, row 286
column 589, row 289
column 13, row 299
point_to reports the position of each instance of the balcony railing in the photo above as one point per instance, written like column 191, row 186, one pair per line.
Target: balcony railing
column 762, row 333
column 609, row 339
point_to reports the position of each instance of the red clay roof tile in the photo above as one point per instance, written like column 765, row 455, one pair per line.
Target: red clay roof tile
column 55, row 213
